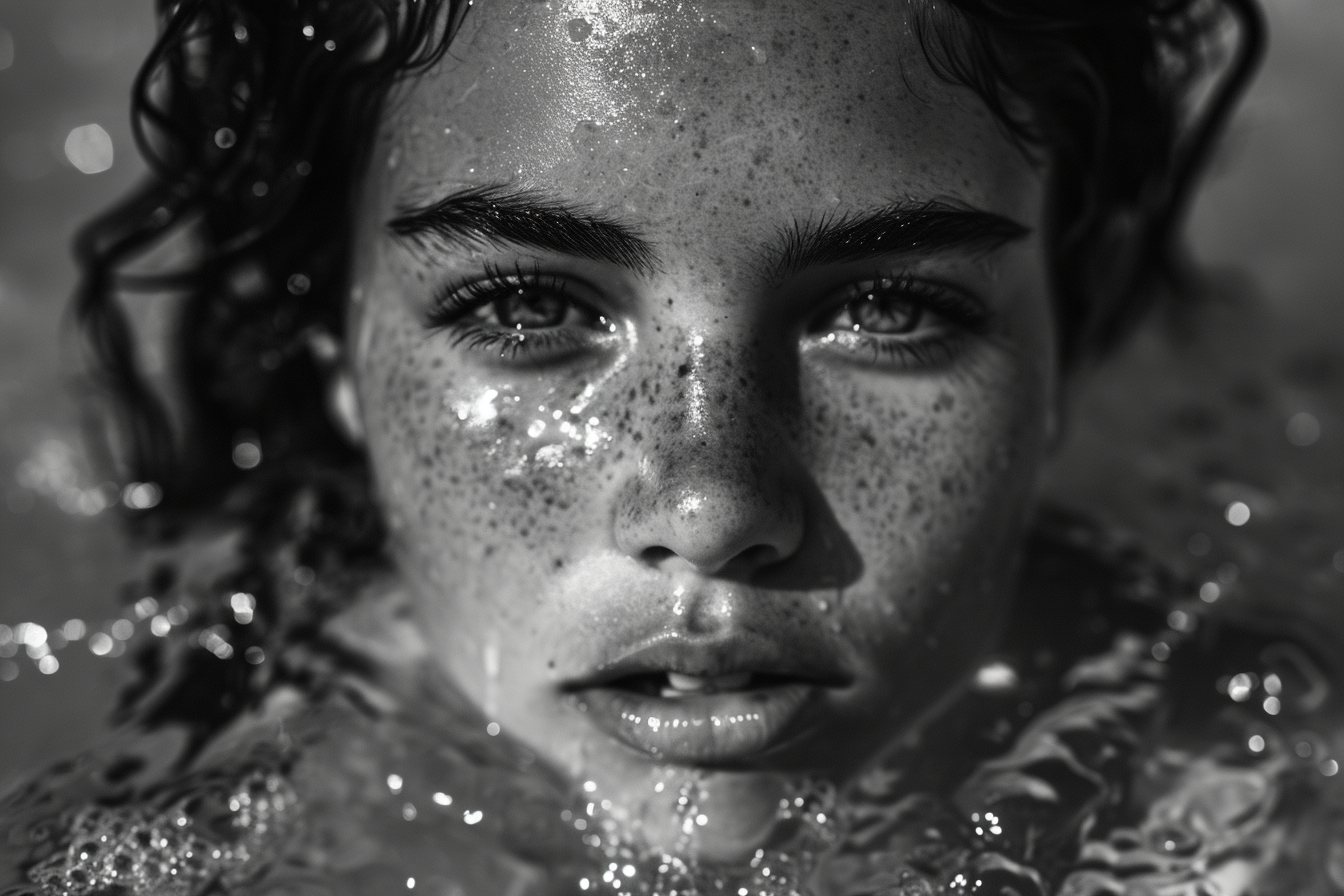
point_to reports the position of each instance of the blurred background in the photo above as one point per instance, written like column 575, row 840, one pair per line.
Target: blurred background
column 1220, row 440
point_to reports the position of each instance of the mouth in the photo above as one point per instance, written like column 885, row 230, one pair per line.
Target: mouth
column 721, row 703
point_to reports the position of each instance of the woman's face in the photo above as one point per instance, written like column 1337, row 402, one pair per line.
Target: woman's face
column 705, row 357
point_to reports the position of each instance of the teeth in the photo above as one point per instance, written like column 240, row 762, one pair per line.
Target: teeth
column 680, row 685
column 687, row 682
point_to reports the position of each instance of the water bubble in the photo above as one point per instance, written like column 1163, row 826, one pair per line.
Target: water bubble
column 309, row 31
column 74, row 629
column 1256, row 744
column 9, row 670
column 141, row 495
column 1272, row 705
column 472, row 816
column 1199, row 544
column 758, row 55
column 394, row 783
column 410, row 883
column 1209, row 592
column 48, row 665
column 89, row 149
column 6, row 49
column 1303, row 429
column 996, row 677
column 329, row 46
column 1238, row 513
column 246, row 453
column 442, row 799
column 1241, row 685
column 100, row 644
column 408, row 812
column 225, row 138
column 298, row 284
column 240, row 33
column 255, row 656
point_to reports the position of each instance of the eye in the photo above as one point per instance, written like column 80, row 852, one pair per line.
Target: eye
column 519, row 315
column 878, row 307
column 899, row 321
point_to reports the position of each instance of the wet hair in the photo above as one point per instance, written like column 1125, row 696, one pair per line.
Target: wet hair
column 257, row 117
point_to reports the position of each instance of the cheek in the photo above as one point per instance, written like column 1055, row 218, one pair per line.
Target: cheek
column 480, row 474
column 929, row 476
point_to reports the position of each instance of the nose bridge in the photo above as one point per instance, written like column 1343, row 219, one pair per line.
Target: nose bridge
column 717, row 479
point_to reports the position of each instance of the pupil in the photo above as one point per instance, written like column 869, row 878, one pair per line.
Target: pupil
column 526, row 310
column 884, row 314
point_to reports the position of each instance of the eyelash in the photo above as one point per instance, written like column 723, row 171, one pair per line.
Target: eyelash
column 966, row 315
column 452, row 310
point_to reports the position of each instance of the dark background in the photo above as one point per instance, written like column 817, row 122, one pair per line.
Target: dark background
column 1187, row 421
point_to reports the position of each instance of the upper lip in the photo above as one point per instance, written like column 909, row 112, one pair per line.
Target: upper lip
column 708, row 658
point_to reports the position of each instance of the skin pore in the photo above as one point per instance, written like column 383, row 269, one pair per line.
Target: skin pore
column 705, row 361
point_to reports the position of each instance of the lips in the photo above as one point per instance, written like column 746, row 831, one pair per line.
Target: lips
column 691, row 701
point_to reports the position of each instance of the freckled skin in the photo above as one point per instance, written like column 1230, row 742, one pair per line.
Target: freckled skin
column 711, row 465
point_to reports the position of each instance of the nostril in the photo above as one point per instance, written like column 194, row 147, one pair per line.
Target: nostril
column 655, row 555
column 757, row 557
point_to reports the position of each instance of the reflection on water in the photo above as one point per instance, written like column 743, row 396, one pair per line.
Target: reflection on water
column 1127, row 738
column 1222, row 452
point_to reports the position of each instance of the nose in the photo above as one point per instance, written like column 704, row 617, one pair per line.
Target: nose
column 718, row 483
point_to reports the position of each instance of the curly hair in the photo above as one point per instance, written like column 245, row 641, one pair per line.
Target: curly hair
column 257, row 116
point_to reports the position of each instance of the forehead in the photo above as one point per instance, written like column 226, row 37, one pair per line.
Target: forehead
column 797, row 104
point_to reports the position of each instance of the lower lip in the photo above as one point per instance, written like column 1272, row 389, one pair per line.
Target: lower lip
column 705, row 728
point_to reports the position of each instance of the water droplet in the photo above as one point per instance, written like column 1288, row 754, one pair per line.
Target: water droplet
column 996, row 677
column 89, row 149
column 1241, row 686
column 246, row 454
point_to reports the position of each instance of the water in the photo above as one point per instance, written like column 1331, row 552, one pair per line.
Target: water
column 1127, row 737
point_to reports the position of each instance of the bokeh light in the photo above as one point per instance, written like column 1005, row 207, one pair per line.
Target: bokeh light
column 89, row 148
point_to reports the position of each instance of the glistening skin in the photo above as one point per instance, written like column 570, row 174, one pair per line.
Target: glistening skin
column 704, row 393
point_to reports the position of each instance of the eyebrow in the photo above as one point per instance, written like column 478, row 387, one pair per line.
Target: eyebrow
column 897, row 229
column 499, row 214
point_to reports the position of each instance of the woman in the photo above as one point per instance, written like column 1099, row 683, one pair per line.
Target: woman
column 608, row 435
